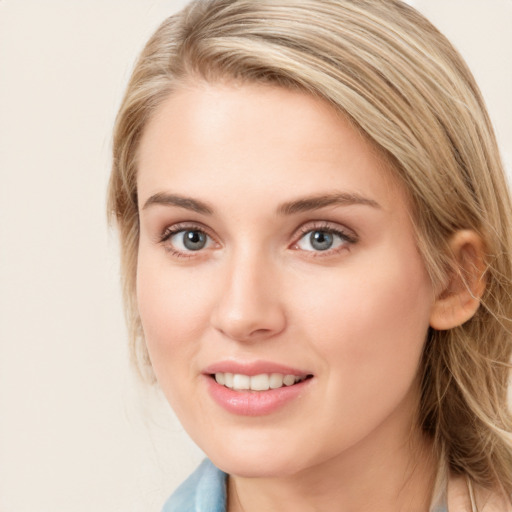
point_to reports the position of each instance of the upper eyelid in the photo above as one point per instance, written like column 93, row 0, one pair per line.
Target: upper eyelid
column 172, row 229
column 324, row 225
column 163, row 236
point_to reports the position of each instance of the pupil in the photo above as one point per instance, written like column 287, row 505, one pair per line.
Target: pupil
column 321, row 240
column 194, row 240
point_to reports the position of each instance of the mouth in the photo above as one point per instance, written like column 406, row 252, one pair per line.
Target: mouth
column 256, row 388
column 260, row 382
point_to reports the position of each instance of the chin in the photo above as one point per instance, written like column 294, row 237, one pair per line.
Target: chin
column 258, row 462
column 255, row 469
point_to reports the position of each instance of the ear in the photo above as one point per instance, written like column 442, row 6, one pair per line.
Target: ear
column 460, row 297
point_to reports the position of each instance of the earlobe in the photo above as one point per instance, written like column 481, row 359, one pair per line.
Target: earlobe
column 460, row 298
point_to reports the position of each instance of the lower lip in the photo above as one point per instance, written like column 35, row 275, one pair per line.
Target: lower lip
column 255, row 403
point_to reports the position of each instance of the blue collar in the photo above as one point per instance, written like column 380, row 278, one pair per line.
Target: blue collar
column 203, row 491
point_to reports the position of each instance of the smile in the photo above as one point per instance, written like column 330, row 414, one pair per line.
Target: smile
column 261, row 382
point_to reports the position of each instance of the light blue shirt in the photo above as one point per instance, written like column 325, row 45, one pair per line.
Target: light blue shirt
column 205, row 491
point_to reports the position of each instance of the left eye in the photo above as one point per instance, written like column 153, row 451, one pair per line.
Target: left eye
column 321, row 240
column 190, row 240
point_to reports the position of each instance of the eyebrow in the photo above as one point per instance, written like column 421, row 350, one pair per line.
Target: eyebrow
column 321, row 201
column 180, row 201
column 301, row 205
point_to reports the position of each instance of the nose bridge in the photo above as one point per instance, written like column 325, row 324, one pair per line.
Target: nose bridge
column 249, row 305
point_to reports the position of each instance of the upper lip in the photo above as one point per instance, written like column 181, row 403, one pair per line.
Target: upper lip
column 252, row 368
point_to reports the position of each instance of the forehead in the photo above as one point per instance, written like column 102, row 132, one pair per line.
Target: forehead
column 221, row 138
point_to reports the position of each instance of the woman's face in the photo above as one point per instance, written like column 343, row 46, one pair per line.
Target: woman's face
column 277, row 252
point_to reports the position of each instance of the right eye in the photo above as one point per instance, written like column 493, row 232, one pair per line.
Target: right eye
column 183, row 241
column 321, row 240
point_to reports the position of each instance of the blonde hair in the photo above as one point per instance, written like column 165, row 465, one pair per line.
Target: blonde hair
column 403, row 85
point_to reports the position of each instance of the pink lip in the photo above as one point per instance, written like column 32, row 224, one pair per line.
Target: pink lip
column 254, row 403
column 253, row 368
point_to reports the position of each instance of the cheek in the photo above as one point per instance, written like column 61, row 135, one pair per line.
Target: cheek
column 172, row 308
column 172, row 311
column 370, row 323
column 369, row 331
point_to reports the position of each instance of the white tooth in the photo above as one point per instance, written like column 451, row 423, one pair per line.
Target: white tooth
column 219, row 377
column 276, row 381
column 289, row 380
column 241, row 381
column 260, row 382
column 228, row 380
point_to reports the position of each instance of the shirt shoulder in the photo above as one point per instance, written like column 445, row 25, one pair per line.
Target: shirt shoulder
column 203, row 491
column 465, row 496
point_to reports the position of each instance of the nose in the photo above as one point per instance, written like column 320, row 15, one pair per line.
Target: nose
column 249, row 306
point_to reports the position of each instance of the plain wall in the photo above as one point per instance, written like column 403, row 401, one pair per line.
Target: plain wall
column 77, row 433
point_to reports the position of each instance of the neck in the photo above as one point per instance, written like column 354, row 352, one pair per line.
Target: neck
column 389, row 477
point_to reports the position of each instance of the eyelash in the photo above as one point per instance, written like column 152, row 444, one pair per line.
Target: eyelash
column 348, row 238
column 170, row 231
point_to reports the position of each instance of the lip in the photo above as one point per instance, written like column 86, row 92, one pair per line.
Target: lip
column 254, row 403
column 253, row 368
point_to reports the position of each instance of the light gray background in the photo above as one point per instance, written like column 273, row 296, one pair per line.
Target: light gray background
column 77, row 433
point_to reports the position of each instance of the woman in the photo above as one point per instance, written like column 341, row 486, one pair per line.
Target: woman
column 316, row 250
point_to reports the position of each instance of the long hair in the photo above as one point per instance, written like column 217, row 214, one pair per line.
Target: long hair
column 403, row 85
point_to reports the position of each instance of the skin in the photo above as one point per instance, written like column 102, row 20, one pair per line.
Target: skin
column 354, row 316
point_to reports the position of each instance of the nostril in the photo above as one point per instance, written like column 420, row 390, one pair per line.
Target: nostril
column 259, row 332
